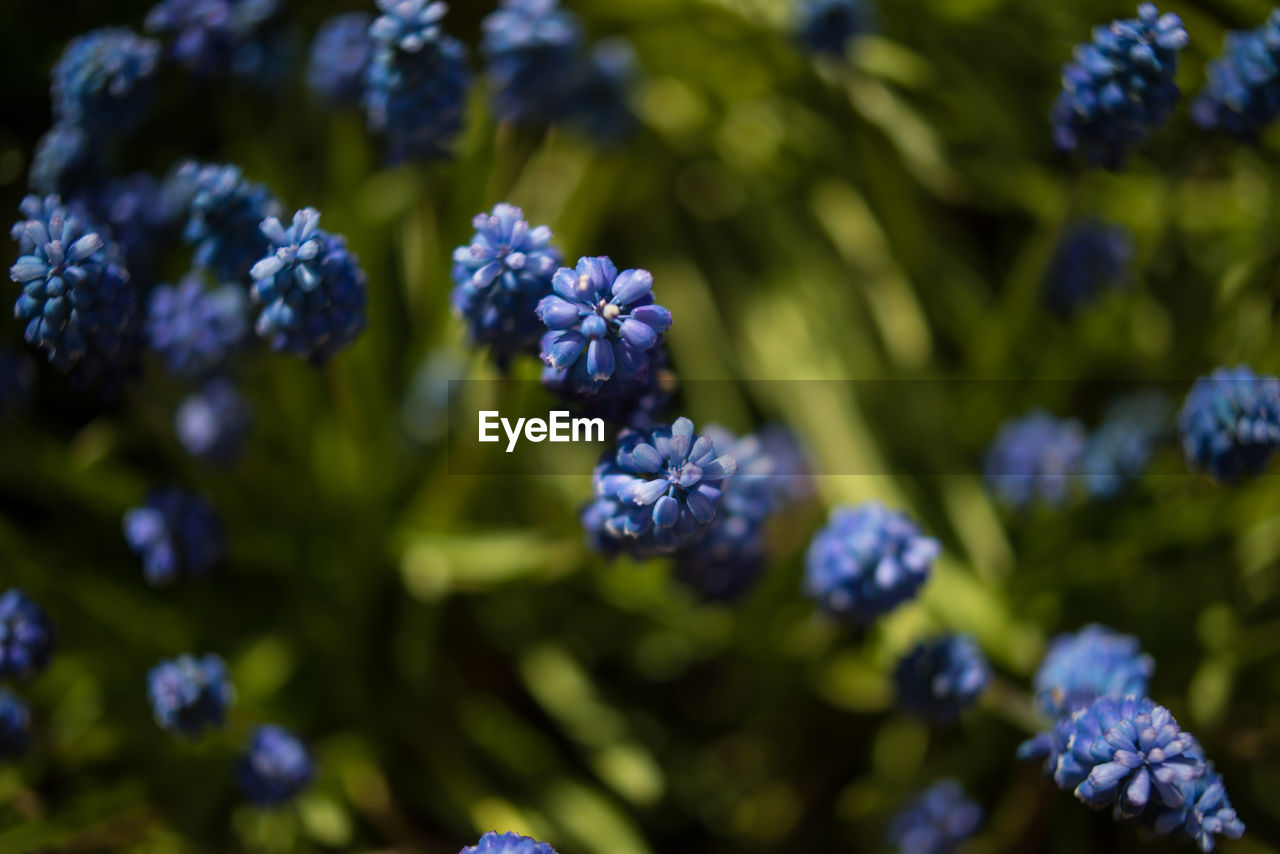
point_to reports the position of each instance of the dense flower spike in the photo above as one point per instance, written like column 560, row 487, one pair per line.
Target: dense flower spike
column 340, row 56
column 214, row 37
column 195, row 330
column 828, row 26
column 275, row 768
column 1034, row 457
column 177, row 534
column 1121, row 447
column 1242, row 95
column 76, row 298
column 507, row 843
column 1090, row 257
column 212, row 423
column 603, row 324
column 65, row 161
column 499, row 279
column 725, row 564
column 310, row 291
column 417, row 82
column 660, row 490
column 26, row 635
column 530, row 49
column 940, row 679
column 1120, row 87
column 189, row 694
column 17, row 379
column 15, row 722
column 936, row 822
column 1206, row 813
column 1230, row 423
column 104, row 80
column 225, row 213
column 866, row 562
column 1093, row 662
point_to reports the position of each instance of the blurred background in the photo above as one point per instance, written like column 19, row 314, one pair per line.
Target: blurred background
column 455, row 657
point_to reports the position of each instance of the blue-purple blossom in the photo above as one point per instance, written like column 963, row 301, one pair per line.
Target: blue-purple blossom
column 15, row 724
column 827, row 27
column 1091, row 257
column 940, row 679
column 189, row 694
column 1230, row 423
column 867, row 561
column 1093, row 662
column 275, row 768
column 531, row 50
column 194, row 329
column 340, row 55
column 310, row 292
column 17, row 381
column 936, row 822
column 1120, row 87
column 225, row 213
column 216, row 37
column 1206, row 813
column 104, row 80
column 725, row 564
column 1242, row 94
column 1034, row 458
column 212, row 423
column 1119, row 450
column 772, row 471
column 177, row 534
column 27, row 636
column 507, row 843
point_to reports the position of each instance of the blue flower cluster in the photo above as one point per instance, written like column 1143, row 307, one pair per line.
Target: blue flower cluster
column 507, row 843
column 212, row 423
column 26, row 636
column 224, row 216
column 177, row 534
column 189, row 695
column 826, row 27
column 531, row 48
column 216, row 37
column 105, row 80
column 936, row 822
column 1206, row 813
column 274, row 768
column 1230, row 423
column 1120, row 87
column 940, row 679
column 1035, row 457
column 340, row 55
column 1093, row 662
column 1090, row 256
column 195, row 330
column 1242, row 95
column 15, row 725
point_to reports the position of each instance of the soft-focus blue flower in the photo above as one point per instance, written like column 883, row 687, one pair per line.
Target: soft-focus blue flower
column 190, row 694
column 827, row 26
column 1034, row 457
column 17, row 380
column 603, row 324
column 724, row 565
column 500, row 277
column 309, row 291
column 215, row 37
column 66, row 161
column 26, row 635
column 177, row 534
column 275, row 768
column 600, row 105
column 195, row 330
column 1120, row 87
column 1206, row 812
column 212, row 423
column 142, row 218
column 1120, row 448
column 936, row 822
column 1230, row 423
column 104, row 80
column 772, row 471
column 15, row 722
column 1242, row 95
column 531, row 49
column 224, row 216
column 340, row 56
column 1093, row 662
column 940, row 679
column 415, row 91
column 76, row 298
column 867, row 561
column 507, row 843
column 1091, row 256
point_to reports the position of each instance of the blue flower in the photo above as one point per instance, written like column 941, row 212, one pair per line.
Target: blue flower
column 1206, row 812
column 17, row 380
column 866, row 562
column 190, row 694
column 1034, row 457
column 603, row 324
column 66, row 161
column 1120, row 87
column 212, row 423
column 15, row 722
column 76, row 298
column 1090, row 256
column 214, row 37
column 507, row 843
column 224, row 215
column 772, row 471
column 1093, row 662
column 599, row 106
column 660, row 490
column 1119, row 450
column 530, row 49
column 104, row 80
column 1242, row 95
column 26, row 635
column 725, row 564
column 1230, row 423
column 827, row 26
column 416, row 88
column 499, row 279
column 195, row 330
column 310, row 290
column 936, row 822
column 340, row 56
column 177, row 534
column 275, row 768
column 942, row 678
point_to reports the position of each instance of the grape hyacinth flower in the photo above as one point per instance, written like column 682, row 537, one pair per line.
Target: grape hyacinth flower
column 65, row 162
column 1120, row 449
column 1242, row 95
column 827, row 26
column 531, row 49
column 1093, row 662
column 275, row 768
column 1034, row 457
column 224, row 216
column 936, row 822
column 189, row 694
column 499, row 279
column 1230, row 423
column 866, row 562
column 1120, row 87
column 1206, row 813
column 942, row 678
column 26, row 635
column 416, row 87
column 104, row 80
column 212, row 423
column 603, row 324
column 340, row 55
column 772, row 471
column 724, row 565
column 195, row 330
column 309, row 291
column 507, row 843
column 177, row 534
column 76, row 298
column 17, row 380
column 15, row 723
column 1090, row 256
column 214, row 37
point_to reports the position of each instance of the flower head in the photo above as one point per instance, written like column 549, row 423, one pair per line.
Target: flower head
column 26, row 635
column 1230, row 423
column 195, row 330
column 936, row 822
column 176, row 533
column 310, row 291
column 214, row 37
column 190, row 694
column 1242, row 95
column 530, row 49
column 866, row 562
column 827, row 26
column 104, row 80
column 225, row 212
column 213, row 422
column 15, row 721
column 939, row 679
column 1090, row 256
column 507, row 843
column 724, row 565
column 1119, row 87
column 1093, row 662
column 1034, row 457
column 1206, row 812
column 340, row 56
column 1120, row 448
column 275, row 768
